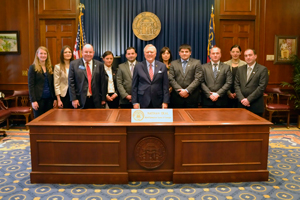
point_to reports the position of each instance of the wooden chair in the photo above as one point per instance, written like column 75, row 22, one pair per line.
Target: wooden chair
column 4, row 115
column 274, row 103
column 21, row 99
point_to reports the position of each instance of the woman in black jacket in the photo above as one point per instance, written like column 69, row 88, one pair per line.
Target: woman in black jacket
column 112, row 96
column 40, row 83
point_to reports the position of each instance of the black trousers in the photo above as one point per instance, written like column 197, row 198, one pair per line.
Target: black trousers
column 114, row 103
column 126, row 106
column 67, row 103
column 44, row 106
column 185, row 105
column 89, row 102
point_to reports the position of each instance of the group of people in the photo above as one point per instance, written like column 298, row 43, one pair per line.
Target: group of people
column 163, row 83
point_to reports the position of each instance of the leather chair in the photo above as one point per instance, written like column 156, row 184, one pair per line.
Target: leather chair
column 275, row 104
column 21, row 99
column 4, row 115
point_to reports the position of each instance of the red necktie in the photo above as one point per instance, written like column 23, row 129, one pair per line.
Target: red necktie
column 89, row 76
column 150, row 72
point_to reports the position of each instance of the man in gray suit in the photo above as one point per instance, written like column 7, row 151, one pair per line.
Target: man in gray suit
column 250, row 83
column 124, row 77
column 185, row 76
column 217, row 81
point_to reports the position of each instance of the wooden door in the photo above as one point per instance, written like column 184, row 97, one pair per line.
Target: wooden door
column 55, row 33
column 233, row 32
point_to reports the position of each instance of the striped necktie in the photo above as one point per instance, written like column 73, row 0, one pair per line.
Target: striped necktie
column 151, row 72
column 215, row 70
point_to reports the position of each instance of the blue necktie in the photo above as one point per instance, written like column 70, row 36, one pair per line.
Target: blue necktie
column 184, row 65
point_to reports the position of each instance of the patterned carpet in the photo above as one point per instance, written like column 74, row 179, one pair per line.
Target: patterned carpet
column 283, row 165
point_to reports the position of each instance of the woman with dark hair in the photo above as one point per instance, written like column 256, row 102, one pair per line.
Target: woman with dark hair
column 165, row 56
column 61, row 72
column 112, row 97
column 234, row 63
column 40, row 83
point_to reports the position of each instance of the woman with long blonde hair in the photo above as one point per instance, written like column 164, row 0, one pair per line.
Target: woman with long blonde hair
column 61, row 72
column 40, row 83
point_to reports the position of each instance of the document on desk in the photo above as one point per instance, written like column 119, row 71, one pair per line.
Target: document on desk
column 151, row 115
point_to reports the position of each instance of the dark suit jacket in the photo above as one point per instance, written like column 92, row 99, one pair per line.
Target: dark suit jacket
column 253, row 89
column 189, row 80
column 220, row 85
column 124, row 82
column 36, row 84
column 78, row 82
column 144, row 90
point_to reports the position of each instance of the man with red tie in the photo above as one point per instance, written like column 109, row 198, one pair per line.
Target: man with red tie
column 150, row 83
column 87, row 80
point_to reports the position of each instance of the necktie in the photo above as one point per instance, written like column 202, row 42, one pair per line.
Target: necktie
column 131, row 69
column 184, row 65
column 215, row 70
column 248, row 72
column 89, row 76
column 151, row 72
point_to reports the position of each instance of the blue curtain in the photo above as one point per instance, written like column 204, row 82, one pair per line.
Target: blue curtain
column 108, row 25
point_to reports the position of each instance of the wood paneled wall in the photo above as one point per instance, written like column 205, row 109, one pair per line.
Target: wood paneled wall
column 17, row 15
column 29, row 17
column 254, row 24
column 277, row 18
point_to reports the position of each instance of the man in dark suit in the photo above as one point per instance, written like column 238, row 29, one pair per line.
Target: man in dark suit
column 250, row 83
column 124, row 77
column 216, row 82
column 150, row 83
column 87, row 80
column 185, row 75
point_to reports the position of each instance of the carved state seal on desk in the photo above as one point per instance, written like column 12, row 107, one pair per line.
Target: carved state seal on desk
column 146, row 26
column 150, row 152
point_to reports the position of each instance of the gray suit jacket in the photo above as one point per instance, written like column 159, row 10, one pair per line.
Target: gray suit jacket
column 220, row 85
column 189, row 80
column 253, row 89
column 124, row 82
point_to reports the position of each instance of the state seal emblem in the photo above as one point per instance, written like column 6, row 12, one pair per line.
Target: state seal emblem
column 146, row 26
column 138, row 115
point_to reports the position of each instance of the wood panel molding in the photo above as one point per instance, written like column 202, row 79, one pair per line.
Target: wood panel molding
column 233, row 7
column 55, row 33
column 56, row 7
column 236, row 32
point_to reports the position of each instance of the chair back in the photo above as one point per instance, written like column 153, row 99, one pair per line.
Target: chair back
column 22, row 97
column 273, row 95
column 2, row 106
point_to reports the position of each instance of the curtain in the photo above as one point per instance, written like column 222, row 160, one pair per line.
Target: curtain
column 108, row 25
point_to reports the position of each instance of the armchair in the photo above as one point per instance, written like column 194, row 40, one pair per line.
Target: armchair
column 275, row 104
column 21, row 99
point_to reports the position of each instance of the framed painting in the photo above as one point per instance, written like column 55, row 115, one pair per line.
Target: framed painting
column 9, row 42
column 285, row 49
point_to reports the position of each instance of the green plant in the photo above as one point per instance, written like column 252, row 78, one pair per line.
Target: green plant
column 296, row 82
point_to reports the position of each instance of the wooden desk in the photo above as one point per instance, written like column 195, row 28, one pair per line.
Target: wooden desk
column 103, row 146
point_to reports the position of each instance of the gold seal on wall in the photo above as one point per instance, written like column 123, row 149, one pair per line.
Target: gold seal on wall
column 146, row 26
